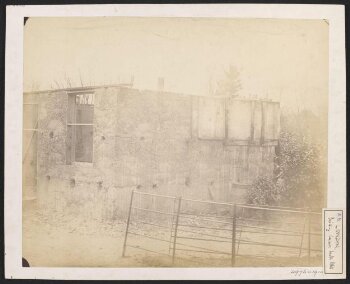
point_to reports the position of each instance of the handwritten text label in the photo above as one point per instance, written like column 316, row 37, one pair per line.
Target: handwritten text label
column 333, row 241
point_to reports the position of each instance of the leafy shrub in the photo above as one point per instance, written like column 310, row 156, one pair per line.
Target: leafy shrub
column 263, row 192
column 300, row 172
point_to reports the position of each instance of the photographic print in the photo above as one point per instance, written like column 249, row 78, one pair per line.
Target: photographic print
column 177, row 142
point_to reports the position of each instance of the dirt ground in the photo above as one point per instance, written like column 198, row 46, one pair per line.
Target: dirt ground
column 54, row 240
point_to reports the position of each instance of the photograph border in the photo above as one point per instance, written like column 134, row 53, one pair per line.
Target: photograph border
column 336, row 197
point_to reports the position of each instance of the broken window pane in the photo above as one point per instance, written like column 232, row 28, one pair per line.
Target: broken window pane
column 84, row 99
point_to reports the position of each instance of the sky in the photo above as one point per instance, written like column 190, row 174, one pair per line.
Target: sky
column 282, row 60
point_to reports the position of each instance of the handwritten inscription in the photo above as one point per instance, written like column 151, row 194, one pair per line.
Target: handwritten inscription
column 306, row 272
column 333, row 241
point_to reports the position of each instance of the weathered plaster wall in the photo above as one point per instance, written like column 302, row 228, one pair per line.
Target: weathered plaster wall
column 147, row 141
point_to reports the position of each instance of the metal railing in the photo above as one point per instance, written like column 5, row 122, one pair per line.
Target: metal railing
column 193, row 236
column 133, row 208
column 307, row 228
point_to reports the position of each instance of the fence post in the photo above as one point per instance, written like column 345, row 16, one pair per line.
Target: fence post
column 309, row 239
column 128, row 222
column 175, row 231
column 172, row 225
column 240, row 232
column 233, row 259
column 302, row 236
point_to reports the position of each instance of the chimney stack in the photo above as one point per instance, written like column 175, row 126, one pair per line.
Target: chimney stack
column 161, row 84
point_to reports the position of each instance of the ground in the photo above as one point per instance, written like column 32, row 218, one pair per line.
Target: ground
column 53, row 240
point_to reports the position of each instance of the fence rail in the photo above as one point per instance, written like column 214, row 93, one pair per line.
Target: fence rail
column 207, row 234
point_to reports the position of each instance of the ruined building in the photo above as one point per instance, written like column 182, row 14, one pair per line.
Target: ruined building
column 86, row 149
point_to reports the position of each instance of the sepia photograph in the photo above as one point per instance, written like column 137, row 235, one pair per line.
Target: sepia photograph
column 177, row 142
column 172, row 141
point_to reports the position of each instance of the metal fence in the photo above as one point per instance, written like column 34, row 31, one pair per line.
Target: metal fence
column 148, row 222
column 296, row 232
column 218, row 233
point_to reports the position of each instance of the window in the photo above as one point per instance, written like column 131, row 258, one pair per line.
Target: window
column 80, row 126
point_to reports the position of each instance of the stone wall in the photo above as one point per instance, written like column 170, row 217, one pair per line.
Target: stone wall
column 149, row 141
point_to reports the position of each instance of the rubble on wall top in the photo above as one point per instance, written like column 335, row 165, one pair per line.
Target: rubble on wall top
column 129, row 86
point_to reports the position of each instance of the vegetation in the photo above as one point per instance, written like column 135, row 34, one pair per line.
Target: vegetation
column 299, row 179
column 230, row 84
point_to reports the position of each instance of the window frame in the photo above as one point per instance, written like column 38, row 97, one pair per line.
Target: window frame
column 74, row 124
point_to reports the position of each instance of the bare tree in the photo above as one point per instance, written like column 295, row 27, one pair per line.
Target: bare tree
column 230, row 84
